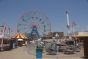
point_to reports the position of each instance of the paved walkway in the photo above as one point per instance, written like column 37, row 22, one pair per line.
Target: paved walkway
column 21, row 53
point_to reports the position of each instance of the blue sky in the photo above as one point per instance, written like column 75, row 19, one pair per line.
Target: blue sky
column 12, row 10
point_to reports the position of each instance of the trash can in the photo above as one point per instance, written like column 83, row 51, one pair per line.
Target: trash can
column 11, row 44
column 39, row 51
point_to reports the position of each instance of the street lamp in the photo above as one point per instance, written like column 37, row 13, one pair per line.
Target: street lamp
column 57, row 37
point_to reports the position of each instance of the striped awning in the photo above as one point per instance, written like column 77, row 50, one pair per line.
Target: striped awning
column 20, row 36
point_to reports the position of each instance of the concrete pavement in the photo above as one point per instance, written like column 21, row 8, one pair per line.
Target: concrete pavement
column 21, row 53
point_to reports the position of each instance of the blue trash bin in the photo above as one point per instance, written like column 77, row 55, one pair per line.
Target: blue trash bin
column 39, row 53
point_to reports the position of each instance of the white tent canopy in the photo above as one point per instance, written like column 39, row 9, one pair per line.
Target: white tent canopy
column 20, row 39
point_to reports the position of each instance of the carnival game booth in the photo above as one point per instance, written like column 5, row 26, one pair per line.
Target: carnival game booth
column 20, row 39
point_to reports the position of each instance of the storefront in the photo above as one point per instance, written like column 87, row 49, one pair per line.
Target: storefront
column 4, row 44
column 83, row 37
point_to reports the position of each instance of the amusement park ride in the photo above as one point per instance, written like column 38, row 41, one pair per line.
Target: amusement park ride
column 4, row 34
column 70, row 26
column 34, row 24
column 34, row 32
column 4, row 31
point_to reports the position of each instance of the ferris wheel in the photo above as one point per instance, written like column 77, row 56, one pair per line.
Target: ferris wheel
column 34, row 23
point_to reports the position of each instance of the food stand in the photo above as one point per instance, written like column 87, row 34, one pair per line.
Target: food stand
column 20, row 39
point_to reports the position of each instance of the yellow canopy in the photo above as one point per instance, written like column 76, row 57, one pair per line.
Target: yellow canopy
column 20, row 36
column 81, row 35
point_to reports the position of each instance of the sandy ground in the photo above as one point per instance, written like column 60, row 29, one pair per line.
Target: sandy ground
column 21, row 53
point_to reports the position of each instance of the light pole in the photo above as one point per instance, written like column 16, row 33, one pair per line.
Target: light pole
column 57, row 44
